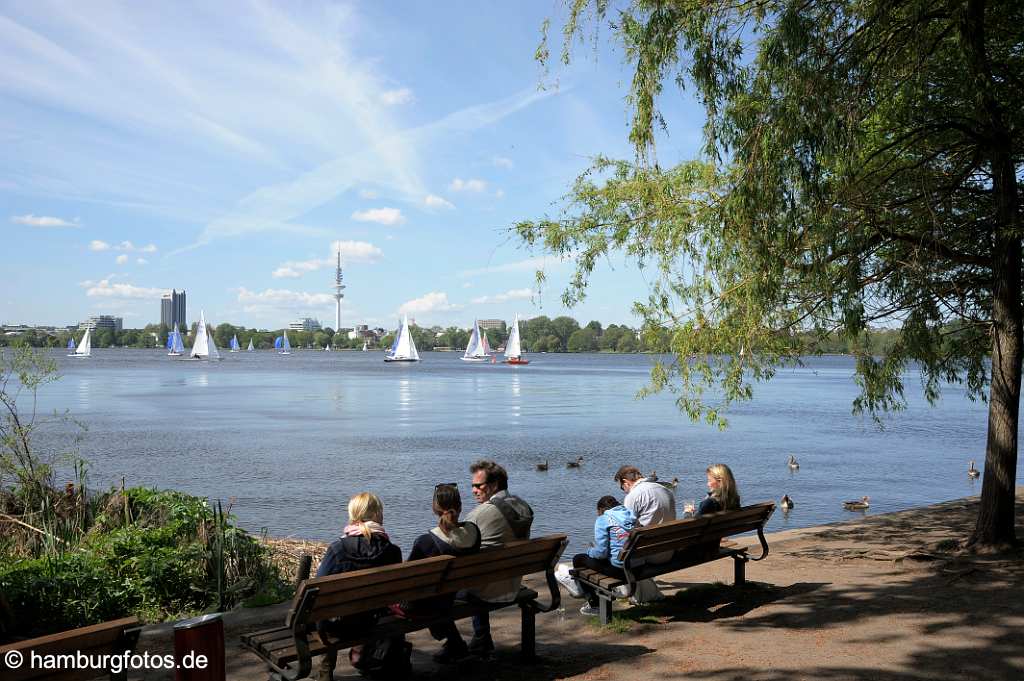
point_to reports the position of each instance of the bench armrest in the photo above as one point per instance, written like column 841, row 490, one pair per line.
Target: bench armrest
column 764, row 544
column 549, row 577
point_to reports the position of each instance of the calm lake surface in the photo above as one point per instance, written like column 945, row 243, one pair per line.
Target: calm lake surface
column 291, row 438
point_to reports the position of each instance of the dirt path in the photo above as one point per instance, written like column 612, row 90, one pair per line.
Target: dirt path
column 879, row 597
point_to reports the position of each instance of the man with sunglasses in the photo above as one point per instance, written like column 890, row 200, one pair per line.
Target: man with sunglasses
column 502, row 517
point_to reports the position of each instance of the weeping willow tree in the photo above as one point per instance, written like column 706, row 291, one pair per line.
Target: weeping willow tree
column 861, row 167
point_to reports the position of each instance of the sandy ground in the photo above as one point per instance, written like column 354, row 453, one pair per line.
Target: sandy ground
column 878, row 597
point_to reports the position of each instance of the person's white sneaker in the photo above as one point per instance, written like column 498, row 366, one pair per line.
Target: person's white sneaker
column 590, row 610
column 621, row 591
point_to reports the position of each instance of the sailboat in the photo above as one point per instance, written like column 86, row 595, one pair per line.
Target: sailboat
column 174, row 345
column 477, row 350
column 404, row 348
column 514, row 347
column 204, row 346
column 364, row 346
column 282, row 345
column 84, row 348
column 328, row 348
column 71, row 344
column 234, row 344
column 250, row 348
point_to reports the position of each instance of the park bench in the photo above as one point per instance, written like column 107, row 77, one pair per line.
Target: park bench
column 109, row 638
column 690, row 542
column 289, row 650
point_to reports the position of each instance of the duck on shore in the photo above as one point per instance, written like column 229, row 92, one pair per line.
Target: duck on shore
column 672, row 484
column 786, row 503
column 973, row 472
column 793, row 465
column 576, row 463
column 542, row 466
column 857, row 505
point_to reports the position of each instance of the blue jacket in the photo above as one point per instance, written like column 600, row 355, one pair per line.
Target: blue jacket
column 611, row 529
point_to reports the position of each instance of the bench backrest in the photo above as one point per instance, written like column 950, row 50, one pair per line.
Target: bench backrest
column 359, row 591
column 107, row 638
column 677, row 534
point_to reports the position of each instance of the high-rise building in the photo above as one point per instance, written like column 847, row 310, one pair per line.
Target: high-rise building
column 172, row 310
column 486, row 324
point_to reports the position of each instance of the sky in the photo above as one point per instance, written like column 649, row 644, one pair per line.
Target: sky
column 231, row 148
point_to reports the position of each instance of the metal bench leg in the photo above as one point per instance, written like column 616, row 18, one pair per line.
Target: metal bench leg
column 740, row 564
column 529, row 632
column 605, row 607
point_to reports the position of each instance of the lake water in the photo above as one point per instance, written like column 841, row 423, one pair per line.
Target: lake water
column 291, row 438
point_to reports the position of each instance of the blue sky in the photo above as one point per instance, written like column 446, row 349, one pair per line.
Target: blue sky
column 225, row 148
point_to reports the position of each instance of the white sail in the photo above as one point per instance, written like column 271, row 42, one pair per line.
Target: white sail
column 404, row 348
column 513, row 348
column 177, row 347
column 204, row 346
column 250, row 348
column 286, row 347
column 477, row 350
column 84, row 348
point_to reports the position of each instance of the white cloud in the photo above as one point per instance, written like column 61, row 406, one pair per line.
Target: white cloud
column 502, row 162
column 434, row 301
column 281, row 298
column 121, row 259
column 514, row 294
column 434, row 201
column 351, row 251
column 105, row 289
column 97, row 245
column 43, row 221
column 368, row 194
column 460, row 185
column 142, row 261
column 384, row 216
column 393, row 97
column 500, row 194
column 537, row 263
column 129, row 247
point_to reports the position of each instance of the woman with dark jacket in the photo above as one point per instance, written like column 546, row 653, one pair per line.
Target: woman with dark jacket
column 363, row 544
column 449, row 538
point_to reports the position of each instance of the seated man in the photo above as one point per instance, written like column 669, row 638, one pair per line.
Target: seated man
column 652, row 504
column 611, row 530
column 501, row 518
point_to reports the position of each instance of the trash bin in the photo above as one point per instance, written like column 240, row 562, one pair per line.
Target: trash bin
column 203, row 635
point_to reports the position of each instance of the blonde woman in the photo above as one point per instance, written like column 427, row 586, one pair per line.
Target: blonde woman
column 723, row 494
column 363, row 544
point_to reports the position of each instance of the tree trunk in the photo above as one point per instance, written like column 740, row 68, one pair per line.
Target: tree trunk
column 995, row 527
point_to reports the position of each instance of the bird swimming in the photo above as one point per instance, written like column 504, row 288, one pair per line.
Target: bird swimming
column 786, row 503
column 574, row 464
column 856, row 505
column 542, row 466
column 793, row 465
column 973, row 472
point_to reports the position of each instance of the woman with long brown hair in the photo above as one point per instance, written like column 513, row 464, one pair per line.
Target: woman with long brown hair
column 449, row 538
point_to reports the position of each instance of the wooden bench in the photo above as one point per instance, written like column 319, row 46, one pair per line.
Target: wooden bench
column 289, row 650
column 693, row 541
column 108, row 638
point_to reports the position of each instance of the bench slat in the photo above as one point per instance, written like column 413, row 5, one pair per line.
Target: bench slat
column 96, row 639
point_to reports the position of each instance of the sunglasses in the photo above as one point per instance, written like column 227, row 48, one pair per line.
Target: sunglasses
column 479, row 485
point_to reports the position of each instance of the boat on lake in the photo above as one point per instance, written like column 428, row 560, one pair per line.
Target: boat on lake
column 250, row 348
column 477, row 350
column 404, row 347
column 175, row 347
column 84, row 348
column 204, row 346
column 514, row 347
column 282, row 345
column 235, row 347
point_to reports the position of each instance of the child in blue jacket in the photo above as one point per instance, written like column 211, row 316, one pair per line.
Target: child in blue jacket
column 611, row 529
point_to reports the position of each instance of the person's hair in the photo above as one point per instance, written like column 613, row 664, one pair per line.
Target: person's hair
column 727, row 494
column 447, row 507
column 628, row 473
column 365, row 506
column 495, row 474
column 606, row 502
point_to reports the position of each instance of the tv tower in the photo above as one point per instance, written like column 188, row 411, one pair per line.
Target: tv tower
column 338, row 295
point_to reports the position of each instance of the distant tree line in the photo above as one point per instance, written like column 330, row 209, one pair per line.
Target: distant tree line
column 539, row 334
